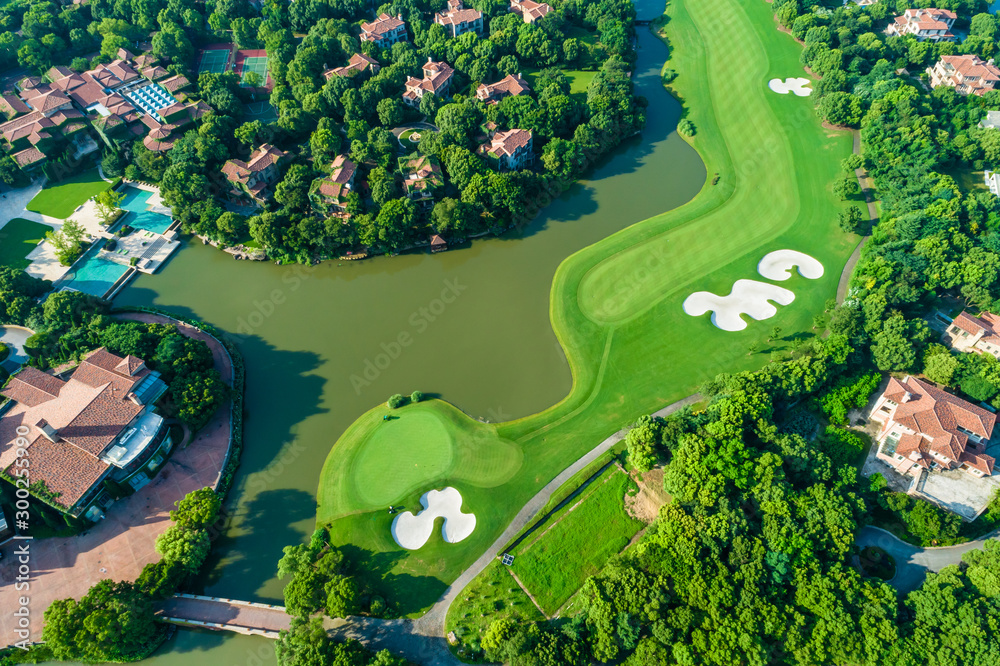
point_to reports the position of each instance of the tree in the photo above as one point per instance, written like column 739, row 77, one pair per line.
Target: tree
column 248, row 132
column 108, row 204
column 642, row 442
column 390, row 111
column 846, row 187
column 849, row 219
column 753, row 348
column 775, row 333
column 305, row 594
column 396, row 401
column 563, row 158
column 341, row 596
column 416, row 396
column 187, row 546
column 67, row 241
column 197, row 396
column 940, row 366
column 112, row 622
column 199, row 508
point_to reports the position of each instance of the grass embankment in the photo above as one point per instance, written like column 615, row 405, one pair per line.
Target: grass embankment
column 616, row 305
column 17, row 238
column 61, row 199
column 554, row 564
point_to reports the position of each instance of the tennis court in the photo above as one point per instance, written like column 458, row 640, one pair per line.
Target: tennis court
column 215, row 61
column 254, row 64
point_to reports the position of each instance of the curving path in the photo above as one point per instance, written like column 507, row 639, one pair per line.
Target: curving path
column 913, row 562
column 869, row 191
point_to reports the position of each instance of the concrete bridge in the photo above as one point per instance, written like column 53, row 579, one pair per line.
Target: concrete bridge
column 242, row 617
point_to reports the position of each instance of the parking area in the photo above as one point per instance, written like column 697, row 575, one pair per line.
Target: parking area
column 959, row 491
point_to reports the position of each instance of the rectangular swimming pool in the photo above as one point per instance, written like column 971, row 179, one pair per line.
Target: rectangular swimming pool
column 96, row 276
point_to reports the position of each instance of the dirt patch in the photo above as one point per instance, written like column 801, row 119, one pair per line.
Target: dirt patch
column 645, row 504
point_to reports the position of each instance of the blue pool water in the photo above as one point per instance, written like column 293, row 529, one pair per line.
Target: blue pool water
column 136, row 201
column 96, row 276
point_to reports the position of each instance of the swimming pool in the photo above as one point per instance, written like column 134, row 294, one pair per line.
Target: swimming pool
column 96, row 276
column 136, row 201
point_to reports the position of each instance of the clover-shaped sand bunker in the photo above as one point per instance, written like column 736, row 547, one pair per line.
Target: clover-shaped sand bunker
column 792, row 85
column 412, row 531
column 778, row 265
column 747, row 297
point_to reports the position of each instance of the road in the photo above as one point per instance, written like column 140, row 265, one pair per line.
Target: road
column 913, row 562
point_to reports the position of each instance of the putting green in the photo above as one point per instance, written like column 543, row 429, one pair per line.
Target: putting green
column 616, row 306
column 423, row 446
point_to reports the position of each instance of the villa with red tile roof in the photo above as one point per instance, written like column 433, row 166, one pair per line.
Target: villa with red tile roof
column 458, row 20
column 529, row 11
column 98, row 423
column 925, row 428
column 422, row 177
column 965, row 73
column 120, row 103
column 385, row 30
column 329, row 195
column 981, row 334
column 255, row 176
column 933, row 24
column 510, row 86
column 510, row 150
column 358, row 65
column 437, row 80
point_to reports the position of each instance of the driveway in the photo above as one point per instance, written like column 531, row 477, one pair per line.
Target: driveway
column 913, row 562
column 14, row 337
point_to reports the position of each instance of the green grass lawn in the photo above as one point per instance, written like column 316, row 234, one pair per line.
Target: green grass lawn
column 616, row 305
column 61, row 199
column 554, row 563
column 17, row 238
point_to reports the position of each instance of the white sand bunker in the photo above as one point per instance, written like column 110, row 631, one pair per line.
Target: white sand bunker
column 778, row 265
column 747, row 297
column 793, row 85
column 412, row 532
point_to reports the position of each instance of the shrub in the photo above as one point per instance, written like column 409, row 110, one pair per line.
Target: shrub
column 396, row 401
column 668, row 76
column 4, row 352
column 415, row 397
column 686, row 128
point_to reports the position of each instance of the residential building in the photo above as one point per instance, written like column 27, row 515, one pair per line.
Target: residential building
column 421, row 177
column 437, row 80
column 97, row 424
column 385, row 30
column 458, row 20
column 991, row 121
column 255, row 176
column 510, row 86
column 329, row 195
column 993, row 182
column 965, row 73
column 925, row 428
column 359, row 65
column 933, row 24
column 510, row 150
column 981, row 334
column 120, row 103
column 528, row 10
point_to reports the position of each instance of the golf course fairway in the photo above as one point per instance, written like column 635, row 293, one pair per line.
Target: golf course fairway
column 616, row 307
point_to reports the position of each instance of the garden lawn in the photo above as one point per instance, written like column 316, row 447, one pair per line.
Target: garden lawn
column 17, row 238
column 61, row 199
column 616, row 306
column 555, row 562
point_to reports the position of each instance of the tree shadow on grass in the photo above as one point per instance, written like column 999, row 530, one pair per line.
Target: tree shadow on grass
column 405, row 593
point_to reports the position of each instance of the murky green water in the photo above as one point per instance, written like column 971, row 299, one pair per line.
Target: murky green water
column 324, row 344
